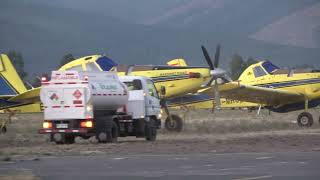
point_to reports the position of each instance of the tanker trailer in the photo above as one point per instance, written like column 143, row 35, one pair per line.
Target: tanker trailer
column 99, row 104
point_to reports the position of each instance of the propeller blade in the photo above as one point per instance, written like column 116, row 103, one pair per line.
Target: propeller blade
column 226, row 78
column 208, row 83
column 129, row 70
column 216, row 95
column 207, row 57
column 217, row 56
column 291, row 72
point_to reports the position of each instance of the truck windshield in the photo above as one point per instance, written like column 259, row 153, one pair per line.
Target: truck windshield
column 152, row 89
column 130, row 86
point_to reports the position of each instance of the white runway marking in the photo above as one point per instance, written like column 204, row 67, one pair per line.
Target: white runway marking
column 119, row 158
column 253, row 178
column 208, row 165
column 261, row 158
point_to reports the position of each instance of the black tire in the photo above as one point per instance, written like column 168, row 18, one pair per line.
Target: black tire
column 151, row 130
column 112, row 136
column 176, row 125
column 69, row 139
column 59, row 138
column 3, row 129
column 305, row 119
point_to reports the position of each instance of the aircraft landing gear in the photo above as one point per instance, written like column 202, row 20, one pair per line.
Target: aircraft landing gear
column 305, row 119
column 175, row 124
column 3, row 129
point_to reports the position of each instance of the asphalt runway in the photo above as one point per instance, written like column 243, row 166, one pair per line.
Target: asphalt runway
column 237, row 166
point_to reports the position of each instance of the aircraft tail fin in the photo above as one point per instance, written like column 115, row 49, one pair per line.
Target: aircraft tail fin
column 10, row 82
column 177, row 62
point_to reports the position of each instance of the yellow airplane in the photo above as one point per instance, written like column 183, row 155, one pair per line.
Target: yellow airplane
column 267, row 85
column 11, row 87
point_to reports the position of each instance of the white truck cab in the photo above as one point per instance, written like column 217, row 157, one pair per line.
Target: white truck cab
column 99, row 104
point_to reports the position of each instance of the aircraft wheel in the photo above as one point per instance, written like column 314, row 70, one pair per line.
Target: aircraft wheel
column 151, row 130
column 305, row 119
column 3, row 130
column 175, row 125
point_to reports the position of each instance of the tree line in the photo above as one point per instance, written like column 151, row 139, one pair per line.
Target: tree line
column 19, row 64
column 236, row 66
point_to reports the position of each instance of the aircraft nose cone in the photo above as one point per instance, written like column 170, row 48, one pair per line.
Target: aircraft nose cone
column 217, row 72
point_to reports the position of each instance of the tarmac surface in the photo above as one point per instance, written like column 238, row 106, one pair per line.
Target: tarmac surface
column 237, row 166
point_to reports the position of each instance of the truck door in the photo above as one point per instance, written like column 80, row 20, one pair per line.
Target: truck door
column 152, row 104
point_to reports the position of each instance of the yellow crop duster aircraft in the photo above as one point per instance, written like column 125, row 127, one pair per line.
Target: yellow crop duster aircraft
column 265, row 84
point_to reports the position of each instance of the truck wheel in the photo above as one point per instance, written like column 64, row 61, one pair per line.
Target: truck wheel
column 305, row 119
column 112, row 136
column 151, row 130
column 59, row 138
column 102, row 137
column 69, row 139
column 175, row 125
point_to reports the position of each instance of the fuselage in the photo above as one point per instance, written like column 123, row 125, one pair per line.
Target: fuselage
column 177, row 81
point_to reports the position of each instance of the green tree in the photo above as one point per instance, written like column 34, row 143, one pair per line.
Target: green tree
column 250, row 61
column 66, row 59
column 18, row 62
column 236, row 66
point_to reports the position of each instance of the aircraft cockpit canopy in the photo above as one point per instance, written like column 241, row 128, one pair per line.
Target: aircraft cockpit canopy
column 269, row 67
column 102, row 63
column 106, row 63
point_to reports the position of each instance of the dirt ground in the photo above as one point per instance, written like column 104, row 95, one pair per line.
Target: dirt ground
column 222, row 132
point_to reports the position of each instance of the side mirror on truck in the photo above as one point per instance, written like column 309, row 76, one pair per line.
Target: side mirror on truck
column 137, row 84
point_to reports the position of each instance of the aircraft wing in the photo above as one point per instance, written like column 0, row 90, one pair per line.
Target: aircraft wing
column 255, row 94
column 30, row 96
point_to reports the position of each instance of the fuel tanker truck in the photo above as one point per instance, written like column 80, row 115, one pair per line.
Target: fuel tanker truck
column 99, row 104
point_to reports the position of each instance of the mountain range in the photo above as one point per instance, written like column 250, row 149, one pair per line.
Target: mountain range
column 286, row 32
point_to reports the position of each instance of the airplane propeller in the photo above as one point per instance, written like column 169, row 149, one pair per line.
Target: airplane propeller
column 216, row 73
column 129, row 70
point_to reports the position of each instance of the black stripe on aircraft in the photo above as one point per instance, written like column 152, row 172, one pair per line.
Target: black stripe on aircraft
column 290, row 83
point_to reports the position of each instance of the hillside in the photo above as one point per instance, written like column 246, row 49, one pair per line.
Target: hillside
column 146, row 32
